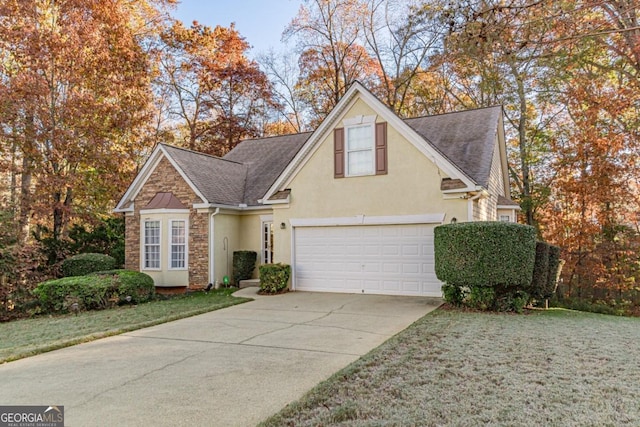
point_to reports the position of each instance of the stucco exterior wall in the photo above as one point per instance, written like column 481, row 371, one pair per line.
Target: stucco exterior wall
column 411, row 187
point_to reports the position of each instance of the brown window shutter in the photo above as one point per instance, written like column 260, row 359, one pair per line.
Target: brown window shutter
column 381, row 148
column 338, row 152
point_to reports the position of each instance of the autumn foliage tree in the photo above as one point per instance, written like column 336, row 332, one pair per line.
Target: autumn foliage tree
column 74, row 86
column 218, row 96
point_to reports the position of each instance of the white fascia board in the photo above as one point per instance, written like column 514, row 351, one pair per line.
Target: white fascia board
column 276, row 202
column 140, row 179
column 205, row 206
column 436, row 218
column 509, row 207
column 130, row 209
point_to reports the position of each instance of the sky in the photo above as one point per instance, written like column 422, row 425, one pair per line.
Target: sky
column 260, row 22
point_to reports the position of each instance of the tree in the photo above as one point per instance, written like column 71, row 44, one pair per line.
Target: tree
column 332, row 54
column 219, row 96
column 74, row 83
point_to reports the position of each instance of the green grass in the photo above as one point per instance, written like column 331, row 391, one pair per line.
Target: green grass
column 23, row 338
column 456, row 368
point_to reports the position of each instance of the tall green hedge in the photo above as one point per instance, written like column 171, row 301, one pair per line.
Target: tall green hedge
column 485, row 254
column 243, row 264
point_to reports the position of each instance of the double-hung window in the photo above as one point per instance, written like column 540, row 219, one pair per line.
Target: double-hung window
column 360, row 147
column 178, row 245
column 152, row 245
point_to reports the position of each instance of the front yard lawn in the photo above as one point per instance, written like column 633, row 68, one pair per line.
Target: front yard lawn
column 456, row 368
column 22, row 338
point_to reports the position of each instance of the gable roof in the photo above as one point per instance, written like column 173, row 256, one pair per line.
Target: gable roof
column 461, row 144
column 237, row 179
column 466, row 138
column 471, row 134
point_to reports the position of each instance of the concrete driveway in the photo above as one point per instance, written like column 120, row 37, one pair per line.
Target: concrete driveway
column 231, row 367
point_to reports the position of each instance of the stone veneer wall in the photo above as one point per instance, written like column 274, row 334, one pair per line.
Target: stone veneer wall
column 165, row 178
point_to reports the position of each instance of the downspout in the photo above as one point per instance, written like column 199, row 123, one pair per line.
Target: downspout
column 212, row 258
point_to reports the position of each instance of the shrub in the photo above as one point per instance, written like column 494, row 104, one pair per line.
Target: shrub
column 274, row 277
column 139, row 286
column 94, row 292
column 81, row 264
column 485, row 254
column 540, row 271
column 452, row 294
column 243, row 264
column 480, row 297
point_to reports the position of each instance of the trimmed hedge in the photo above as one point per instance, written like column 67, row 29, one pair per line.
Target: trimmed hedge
column 274, row 278
column 95, row 291
column 485, row 254
column 244, row 262
column 81, row 264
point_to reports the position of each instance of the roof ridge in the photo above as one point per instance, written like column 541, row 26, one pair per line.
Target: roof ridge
column 453, row 112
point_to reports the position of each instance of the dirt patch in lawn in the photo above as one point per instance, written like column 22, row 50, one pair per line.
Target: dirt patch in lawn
column 553, row 368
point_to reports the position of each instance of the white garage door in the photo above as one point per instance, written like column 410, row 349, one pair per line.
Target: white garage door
column 376, row 259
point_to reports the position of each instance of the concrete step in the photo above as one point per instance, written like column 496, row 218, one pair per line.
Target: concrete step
column 249, row 283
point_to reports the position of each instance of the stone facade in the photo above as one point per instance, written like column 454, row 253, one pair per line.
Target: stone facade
column 165, row 178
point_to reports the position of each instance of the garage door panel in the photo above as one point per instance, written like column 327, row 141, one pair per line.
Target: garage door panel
column 394, row 259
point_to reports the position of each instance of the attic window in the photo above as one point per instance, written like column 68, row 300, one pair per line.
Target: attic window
column 360, row 149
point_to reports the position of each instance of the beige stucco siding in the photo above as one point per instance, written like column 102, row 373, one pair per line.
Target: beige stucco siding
column 226, row 239
column 235, row 231
column 251, row 234
column 411, row 187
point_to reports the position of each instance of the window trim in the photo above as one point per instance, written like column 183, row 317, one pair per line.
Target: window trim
column 143, row 263
column 170, row 245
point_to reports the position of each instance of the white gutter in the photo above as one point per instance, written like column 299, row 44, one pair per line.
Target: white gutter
column 212, row 270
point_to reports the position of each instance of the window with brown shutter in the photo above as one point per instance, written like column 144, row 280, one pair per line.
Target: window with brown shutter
column 374, row 148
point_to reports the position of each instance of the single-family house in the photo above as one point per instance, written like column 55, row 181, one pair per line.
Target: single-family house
column 351, row 206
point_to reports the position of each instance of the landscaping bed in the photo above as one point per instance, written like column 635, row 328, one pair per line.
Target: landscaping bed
column 463, row 368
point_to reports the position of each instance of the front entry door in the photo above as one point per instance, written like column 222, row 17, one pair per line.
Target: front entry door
column 267, row 242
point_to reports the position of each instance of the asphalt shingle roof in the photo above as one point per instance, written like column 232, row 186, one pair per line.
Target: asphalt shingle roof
column 220, row 181
column 244, row 175
column 466, row 138
column 265, row 159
